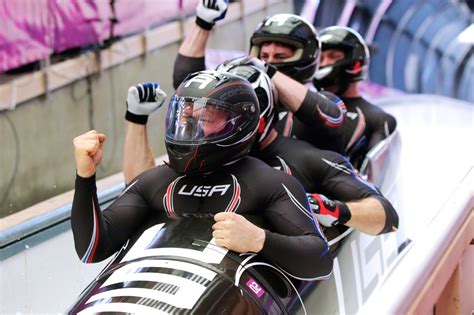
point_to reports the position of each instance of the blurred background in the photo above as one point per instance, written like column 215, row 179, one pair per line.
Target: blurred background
column 65, row 68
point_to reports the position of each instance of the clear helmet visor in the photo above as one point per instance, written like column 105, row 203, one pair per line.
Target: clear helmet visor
column 199, row 120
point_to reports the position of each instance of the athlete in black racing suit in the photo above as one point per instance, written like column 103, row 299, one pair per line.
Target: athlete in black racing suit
column 320, row 115
column 322, row 173
column 247, row 187
column 208, row 173
column 345, row 61
column 327, row 173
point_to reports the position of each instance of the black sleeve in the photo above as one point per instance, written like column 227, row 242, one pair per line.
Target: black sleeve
column 337, row 178
column 391, row 216
column 381, row 125
column 341, row 182
column 95, row 237
column 323, row 113
column 296, row 244
column 185, row 65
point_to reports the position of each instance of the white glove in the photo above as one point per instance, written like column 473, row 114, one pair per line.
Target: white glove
column 142, row 100
column 208, row 12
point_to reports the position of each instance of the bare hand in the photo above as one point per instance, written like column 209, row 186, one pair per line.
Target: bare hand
column 88, row 151
column 236, row 233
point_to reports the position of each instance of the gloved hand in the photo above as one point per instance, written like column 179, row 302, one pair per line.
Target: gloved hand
column 328, row 212
column 208, row 12
column 269, row 69
column 142, row 100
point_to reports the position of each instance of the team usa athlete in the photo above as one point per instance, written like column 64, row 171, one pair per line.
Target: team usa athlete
column 212, row 123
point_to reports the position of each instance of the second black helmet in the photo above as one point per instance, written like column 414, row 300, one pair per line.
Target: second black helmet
column 295, row 32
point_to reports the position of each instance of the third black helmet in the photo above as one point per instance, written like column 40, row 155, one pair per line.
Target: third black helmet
column 352, row 68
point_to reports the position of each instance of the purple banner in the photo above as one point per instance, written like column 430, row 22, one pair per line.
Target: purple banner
column 23, row 32
column 79, row 23
column 30, row 30
column 145, row 13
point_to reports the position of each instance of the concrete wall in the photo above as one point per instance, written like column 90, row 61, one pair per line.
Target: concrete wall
column 42, row 274
column 36, row 160
column 38, row 163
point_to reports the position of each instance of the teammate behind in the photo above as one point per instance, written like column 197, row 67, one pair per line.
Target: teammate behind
column 359, row 204
column 204, row 153
column 290, row 45
column 345, row 60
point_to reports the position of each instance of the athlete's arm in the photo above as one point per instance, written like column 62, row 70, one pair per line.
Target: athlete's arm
column 383, row 125
column 323, row 117
column 142, row 100
column 373, row 215
column 295, row 241
column 138, row 156
column 97, row 235
column 310, row 107
column 370, row 211
column 193, row 48
column 191, row 53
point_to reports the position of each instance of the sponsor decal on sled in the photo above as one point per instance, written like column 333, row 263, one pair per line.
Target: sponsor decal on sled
column 255, row 287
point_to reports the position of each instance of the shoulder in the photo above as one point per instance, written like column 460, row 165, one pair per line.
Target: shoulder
column 256, row 168
column 252, row 162
column 158, row 175
column 335, row 161
column 298, row 149
column 312, row 159
column 365, row 105
column 261, row 174
column 331, row 96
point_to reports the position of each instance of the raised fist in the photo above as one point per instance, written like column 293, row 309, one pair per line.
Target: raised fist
column 88, row 152
column 142, row 100
column 208, row 12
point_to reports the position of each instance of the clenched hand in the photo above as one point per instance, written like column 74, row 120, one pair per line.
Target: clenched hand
column 236, row 233
column 88, row 151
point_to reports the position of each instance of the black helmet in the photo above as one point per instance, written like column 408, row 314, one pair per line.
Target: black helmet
column 266, row 92
column 352, row 68
column 212, row 120
column 296, row 32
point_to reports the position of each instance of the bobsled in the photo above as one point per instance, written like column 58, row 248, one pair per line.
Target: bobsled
column 175, row 267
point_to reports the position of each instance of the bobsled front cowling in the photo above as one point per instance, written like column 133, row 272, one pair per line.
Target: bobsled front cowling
column 174, row 268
